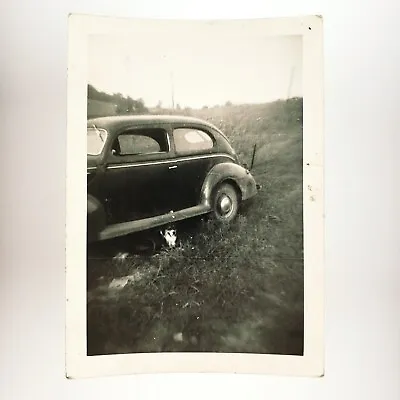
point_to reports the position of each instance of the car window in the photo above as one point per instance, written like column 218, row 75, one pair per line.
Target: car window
column 188, row 140
column 141, row 142
column 96, row 139
column 137, row 144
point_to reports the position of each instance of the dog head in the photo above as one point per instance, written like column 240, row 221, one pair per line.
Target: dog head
column 169, row 235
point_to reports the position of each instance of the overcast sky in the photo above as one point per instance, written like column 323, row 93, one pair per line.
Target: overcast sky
column 203, row 72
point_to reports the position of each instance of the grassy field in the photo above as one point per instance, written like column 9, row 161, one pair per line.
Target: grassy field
column 223, row 289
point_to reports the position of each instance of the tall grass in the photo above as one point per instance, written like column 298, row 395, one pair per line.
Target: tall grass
column 236, row 288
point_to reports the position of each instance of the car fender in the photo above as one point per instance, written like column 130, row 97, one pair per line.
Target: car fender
column 96, row 218
column 227, row 171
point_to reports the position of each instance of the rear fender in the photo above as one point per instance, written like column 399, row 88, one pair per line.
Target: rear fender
column 227, row 171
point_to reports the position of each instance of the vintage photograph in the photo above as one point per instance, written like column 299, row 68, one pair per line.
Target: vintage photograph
column 195, row 192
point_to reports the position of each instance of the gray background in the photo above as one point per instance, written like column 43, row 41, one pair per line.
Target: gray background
column 362, row 256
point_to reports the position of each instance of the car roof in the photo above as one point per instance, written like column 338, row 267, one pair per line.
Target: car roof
column 119, row 121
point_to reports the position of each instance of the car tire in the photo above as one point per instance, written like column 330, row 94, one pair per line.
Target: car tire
column 225, row 203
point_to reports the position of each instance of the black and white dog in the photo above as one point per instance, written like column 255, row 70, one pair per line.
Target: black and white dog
column 170, row 235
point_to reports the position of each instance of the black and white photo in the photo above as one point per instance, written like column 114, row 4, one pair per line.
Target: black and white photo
column 195, row 243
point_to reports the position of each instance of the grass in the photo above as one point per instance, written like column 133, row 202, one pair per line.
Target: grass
column 236, row 288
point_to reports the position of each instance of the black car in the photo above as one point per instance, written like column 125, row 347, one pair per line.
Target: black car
column 147, row 171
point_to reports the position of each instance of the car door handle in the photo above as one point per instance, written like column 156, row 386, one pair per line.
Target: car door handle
column 172, row 167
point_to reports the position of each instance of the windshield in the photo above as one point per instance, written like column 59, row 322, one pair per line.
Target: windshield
column 96, row 139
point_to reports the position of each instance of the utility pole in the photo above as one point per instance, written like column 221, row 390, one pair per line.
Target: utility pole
column 172, row 91
column 290, row 82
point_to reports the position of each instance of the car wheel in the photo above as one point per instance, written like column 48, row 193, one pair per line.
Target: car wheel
column 225, row 203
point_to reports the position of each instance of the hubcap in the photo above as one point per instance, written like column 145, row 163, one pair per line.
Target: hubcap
column 225, row 204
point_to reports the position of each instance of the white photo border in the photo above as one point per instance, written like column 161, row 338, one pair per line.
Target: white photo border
column 78, row 364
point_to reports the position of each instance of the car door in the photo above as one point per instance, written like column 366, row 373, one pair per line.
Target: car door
column 193, row 149
column 136, row 173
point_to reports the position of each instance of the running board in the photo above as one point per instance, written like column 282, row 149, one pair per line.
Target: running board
column 125, row 228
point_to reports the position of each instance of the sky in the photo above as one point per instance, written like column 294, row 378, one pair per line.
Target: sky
column 198, row 71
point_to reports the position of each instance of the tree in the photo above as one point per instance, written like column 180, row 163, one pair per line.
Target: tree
column 123, row 105
column 130, row 105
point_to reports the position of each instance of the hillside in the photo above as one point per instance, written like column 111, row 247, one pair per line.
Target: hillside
column 232, row 289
